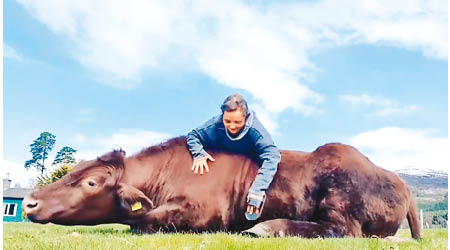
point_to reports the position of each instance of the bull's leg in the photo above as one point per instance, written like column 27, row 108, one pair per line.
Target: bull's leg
column 164, row 218
column 285, row 227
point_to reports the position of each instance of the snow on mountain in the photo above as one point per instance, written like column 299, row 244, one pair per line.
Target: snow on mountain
column 422, row 172
column 424, row 178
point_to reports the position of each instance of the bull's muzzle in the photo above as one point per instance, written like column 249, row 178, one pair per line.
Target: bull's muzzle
column 30, row 205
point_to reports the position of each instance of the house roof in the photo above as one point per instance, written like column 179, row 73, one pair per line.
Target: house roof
column 15, row 192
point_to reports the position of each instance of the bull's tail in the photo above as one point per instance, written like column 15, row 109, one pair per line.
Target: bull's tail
column 413, row 219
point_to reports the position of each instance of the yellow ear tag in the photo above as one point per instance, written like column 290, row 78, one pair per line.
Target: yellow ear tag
column 136, row 206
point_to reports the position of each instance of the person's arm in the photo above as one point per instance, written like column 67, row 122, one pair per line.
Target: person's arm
column 270, row 156
column 199, row 154
column 196, row 140
column 195, row 145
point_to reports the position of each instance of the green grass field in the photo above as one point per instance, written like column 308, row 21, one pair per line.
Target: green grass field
column 114, row 236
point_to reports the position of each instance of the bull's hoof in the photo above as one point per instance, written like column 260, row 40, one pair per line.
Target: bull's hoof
column 249, row 234
column 257, row 231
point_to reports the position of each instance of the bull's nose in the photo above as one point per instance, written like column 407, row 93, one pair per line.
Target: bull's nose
column 30, row 204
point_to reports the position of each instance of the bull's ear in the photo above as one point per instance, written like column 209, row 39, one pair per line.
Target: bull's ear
column 132, row 200
column 114, row 158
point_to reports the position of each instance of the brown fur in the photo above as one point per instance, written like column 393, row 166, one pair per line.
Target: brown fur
column 334, row 191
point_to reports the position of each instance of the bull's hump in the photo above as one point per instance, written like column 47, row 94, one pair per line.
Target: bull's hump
column 335, row 148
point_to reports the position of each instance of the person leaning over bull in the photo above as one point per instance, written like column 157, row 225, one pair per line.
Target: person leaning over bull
column 237, row 129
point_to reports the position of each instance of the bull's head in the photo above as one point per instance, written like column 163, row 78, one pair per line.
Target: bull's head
column 90, row 194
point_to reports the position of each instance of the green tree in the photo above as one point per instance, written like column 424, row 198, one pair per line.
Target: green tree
column 65, row 156
column 40, row 148
column 54, row 176
column 65, row 159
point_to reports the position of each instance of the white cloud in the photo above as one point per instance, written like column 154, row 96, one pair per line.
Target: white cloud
column 248, row 52
column 397, row 148
column 133, row 140
column 359, row 99
column 384, row 107
column 260, row 49
column 130, row 140
column 80, row 138
column 18, row 174
column 86, row 155
column 394, row 111
column 11, row 53
column 267, row 118
column 417, row 25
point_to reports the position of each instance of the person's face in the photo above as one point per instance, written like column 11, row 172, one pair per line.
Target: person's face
column 234, row 121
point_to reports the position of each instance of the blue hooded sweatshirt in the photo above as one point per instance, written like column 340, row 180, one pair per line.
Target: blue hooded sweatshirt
column 253, row 141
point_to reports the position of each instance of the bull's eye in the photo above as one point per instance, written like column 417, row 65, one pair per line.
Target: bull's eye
column 91, row 183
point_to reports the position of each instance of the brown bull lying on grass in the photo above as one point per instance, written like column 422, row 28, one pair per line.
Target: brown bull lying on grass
column 334, row 191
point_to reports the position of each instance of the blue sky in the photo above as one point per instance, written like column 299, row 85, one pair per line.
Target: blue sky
column 105, row 75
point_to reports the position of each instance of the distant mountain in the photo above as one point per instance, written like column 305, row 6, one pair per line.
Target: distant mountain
column 421, row 171
column 424, row 178
column 429, row 187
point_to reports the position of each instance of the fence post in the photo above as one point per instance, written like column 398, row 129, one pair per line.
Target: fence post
column 421, row 218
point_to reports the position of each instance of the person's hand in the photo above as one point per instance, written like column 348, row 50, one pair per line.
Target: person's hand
column 201, row 163
column 251, row 209
column 255, row 203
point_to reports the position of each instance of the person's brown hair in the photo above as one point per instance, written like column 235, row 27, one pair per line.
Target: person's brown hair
column 233, row 102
